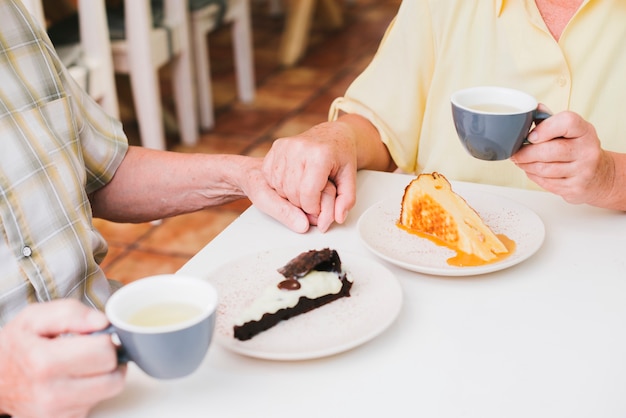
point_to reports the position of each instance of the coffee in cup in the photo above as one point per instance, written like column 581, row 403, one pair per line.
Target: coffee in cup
column 164, row 323
column 493, row 122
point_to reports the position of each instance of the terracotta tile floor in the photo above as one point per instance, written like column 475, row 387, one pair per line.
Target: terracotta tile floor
column 287, row 102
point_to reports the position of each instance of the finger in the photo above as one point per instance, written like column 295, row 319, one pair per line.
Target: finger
column 310, row 199
column 554, row 151
column 346, row 194
column 564, row 187
column 271, row 202
column 105, row 385
column 61, row 317
column 83, row 355
column 311, row 188
column 550, row 170
column 327, row 205
column 561, row 125
column 289, row 215
column 268, row 201
column 89, row 391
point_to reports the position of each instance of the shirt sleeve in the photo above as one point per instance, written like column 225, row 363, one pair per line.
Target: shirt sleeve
column 102, row 140
column 392, row 91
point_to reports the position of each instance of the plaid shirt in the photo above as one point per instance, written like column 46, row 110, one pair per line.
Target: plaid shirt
column 56, row 147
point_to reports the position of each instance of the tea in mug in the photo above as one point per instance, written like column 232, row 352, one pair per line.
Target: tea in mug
column 495, row 108
column 163, row 314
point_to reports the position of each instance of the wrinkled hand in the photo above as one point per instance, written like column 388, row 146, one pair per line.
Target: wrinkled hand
column 46, row 374
column 316, row 171
column 265, row 198
column 566, row 158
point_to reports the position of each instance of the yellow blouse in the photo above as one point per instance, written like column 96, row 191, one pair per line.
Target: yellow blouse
column 435, row 47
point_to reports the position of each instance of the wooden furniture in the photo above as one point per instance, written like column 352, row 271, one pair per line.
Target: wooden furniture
column 300, row 15
column 142, row 53
column 204, row 21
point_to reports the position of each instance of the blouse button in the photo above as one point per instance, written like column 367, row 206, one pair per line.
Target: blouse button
column 26, row 251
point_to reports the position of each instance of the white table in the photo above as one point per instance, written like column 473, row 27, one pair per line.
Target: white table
column 545, row 338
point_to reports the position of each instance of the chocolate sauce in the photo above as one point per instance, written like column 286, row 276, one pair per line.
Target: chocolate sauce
column 289, row 284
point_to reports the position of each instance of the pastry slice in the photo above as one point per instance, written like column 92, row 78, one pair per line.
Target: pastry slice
column 312, row 279
column 431, row 207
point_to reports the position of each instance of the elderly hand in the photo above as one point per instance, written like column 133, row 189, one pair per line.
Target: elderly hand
column 46, row 374
column 265, row 198
column 565, row 158
column 316, row 171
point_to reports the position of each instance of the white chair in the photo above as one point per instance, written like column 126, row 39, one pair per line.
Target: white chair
column 142, row 53
column 204, row 21
column 89, row 62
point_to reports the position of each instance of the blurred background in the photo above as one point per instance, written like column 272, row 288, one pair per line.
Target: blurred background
column 302, row 54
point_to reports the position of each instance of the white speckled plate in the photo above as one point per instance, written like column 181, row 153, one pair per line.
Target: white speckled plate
column 374, row 303
column 378, row 230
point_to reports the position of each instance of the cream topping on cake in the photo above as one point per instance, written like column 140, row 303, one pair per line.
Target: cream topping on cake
column 313, row 285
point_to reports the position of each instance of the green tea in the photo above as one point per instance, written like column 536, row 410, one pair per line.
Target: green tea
column 165, row 313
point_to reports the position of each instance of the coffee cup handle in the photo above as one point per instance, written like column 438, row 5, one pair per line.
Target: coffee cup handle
column 122, row 355
column 538, row 117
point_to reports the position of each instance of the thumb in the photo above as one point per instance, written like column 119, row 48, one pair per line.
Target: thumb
column 283, row 211
column 534, row 137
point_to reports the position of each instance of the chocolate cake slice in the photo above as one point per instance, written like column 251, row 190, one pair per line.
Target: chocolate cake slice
column 312, row 279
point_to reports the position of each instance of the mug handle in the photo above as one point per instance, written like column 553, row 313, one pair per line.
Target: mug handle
column 122, row 355
column 538, row 117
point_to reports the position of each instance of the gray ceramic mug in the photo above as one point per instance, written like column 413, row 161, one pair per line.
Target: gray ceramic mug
column 164, row 323
column 493, row 122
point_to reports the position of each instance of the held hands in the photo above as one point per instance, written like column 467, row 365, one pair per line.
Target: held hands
column 565, row 157
column 278, row 207
column 316, row 171
column 46, row 374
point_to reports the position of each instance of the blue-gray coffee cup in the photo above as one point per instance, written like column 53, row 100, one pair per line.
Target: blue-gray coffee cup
column 493, row 122
column 164, row 323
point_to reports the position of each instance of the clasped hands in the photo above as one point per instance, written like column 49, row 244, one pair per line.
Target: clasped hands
column 315, row 172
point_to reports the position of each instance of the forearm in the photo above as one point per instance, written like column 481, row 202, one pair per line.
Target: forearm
column 615, row 196
column 371, row 151
column 152, row 184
